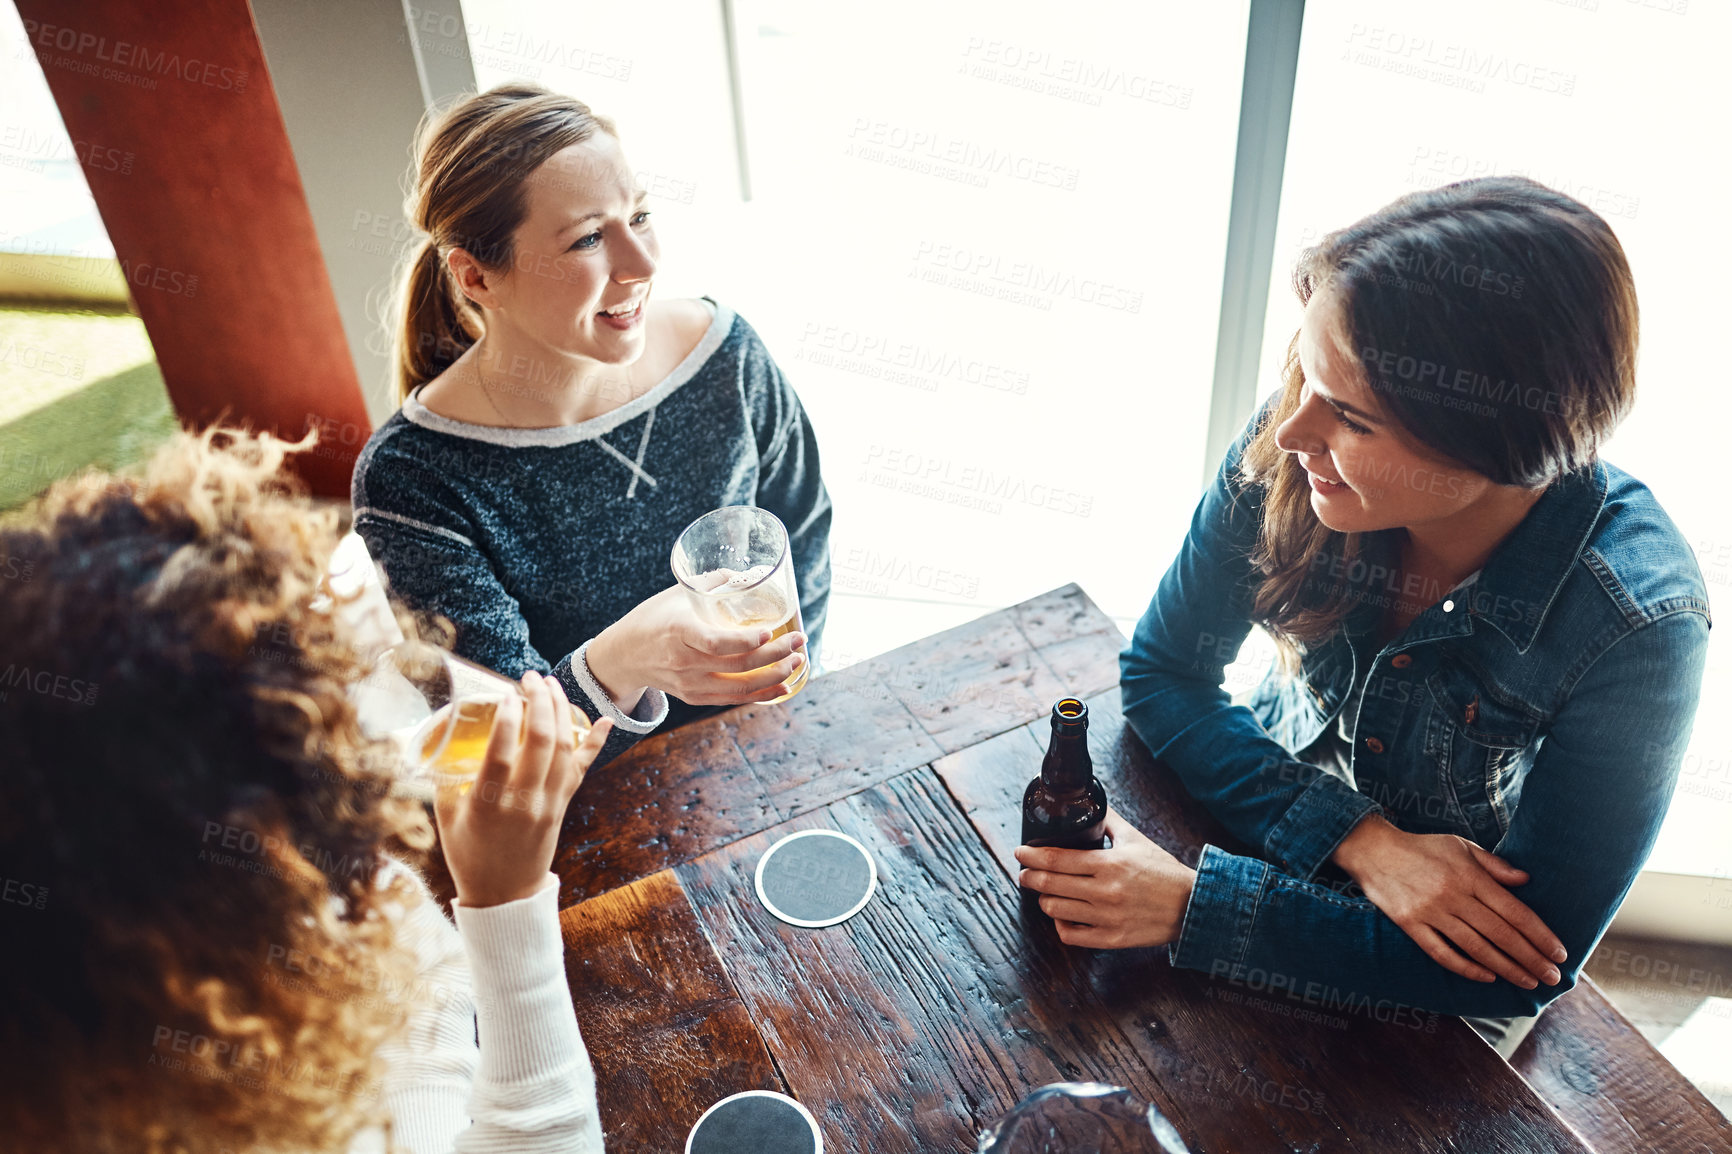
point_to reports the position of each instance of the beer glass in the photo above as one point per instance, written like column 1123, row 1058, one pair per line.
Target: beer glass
column 438, row 710
column 1067, row 1117
column 736, row 566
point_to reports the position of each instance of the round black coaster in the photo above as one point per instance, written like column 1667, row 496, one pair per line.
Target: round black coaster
column 816, row 877
column 758, row 1122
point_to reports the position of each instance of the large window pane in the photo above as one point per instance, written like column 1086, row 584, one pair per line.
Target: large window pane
column 1621, row 104
column 49, row 209
column 985, row 242
column 79, row 383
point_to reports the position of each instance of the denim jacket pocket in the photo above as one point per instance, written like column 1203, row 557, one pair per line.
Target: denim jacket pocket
column 1478, row 743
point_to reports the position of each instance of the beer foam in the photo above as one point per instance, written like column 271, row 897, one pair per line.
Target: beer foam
column 744, row 597
column 725, row 580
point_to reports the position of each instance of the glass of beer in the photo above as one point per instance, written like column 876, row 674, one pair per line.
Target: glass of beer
column 736, row 566
column 438, row 709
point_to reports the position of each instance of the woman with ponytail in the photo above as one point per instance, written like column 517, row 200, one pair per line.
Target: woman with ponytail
column 559, row 427
column 1491, row 641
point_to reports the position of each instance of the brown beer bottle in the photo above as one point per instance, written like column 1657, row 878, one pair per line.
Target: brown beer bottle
column 1065, row 806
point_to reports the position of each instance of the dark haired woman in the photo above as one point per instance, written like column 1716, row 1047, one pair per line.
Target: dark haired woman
column 1492, row 641
column 222, row 953
column 559, row 427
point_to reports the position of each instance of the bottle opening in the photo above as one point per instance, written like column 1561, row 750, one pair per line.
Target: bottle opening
column 1070, row 709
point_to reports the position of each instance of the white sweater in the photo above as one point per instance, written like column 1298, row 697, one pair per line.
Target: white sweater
column 528, row 1088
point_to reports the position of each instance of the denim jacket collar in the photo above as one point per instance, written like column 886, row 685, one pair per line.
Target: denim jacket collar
column 1521, row 580
column 1518, row 583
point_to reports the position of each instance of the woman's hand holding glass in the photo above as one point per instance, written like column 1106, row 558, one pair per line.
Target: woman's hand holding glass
column 664, row 643
column 499, row 835
column 1452, row 898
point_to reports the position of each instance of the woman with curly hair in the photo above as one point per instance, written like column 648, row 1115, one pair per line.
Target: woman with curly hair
column 218, row 951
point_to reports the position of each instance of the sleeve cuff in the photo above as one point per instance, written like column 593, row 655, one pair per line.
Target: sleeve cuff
column 1221, row 912
column 651, row 711
column 510, row 944
column 1315, row 824
column 528, row 1032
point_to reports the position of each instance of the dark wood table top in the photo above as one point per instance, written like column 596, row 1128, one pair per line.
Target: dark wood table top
column 917, row 1023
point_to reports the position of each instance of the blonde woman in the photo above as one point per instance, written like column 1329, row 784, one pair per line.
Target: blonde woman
column 560, row 425
column 219, row 953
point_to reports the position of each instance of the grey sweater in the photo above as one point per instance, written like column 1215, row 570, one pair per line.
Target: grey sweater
column 532, row 541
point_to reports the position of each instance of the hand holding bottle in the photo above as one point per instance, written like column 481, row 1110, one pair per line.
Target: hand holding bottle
column 1133, row 894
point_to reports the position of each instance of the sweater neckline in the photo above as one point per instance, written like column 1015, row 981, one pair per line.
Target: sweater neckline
column 721, row 321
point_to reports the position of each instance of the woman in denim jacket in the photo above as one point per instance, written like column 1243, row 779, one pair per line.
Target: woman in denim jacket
column 1491, row 642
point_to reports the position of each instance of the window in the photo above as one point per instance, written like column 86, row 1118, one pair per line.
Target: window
column 984, row 242
column 49, row 209
column 78, row 385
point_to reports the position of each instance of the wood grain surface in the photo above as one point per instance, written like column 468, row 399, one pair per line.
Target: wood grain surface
column 666, row 1031
column 915, row 1025
column 667, row 800
column 703, row 785
column 1610, row 1084
column 1333, row 1070
column 920, row 1021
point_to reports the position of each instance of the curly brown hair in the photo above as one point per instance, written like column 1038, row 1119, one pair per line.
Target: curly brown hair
column 191, row 808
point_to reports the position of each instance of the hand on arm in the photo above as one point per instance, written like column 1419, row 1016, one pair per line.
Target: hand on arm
column 1590, row 808
column 663, row 643
column 1133, row 894
column 1452, row 898
column 499, row 837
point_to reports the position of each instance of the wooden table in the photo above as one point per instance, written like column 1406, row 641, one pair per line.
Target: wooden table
column 917, row 1023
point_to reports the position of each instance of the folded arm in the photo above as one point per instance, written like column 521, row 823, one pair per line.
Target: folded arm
column 1590, row 810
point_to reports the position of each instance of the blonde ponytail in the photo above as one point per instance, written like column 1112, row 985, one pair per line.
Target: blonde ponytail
column 438, row 323
column 466, row 191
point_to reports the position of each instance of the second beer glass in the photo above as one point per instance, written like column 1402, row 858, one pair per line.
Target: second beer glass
column 438, row 709
column 736, row 566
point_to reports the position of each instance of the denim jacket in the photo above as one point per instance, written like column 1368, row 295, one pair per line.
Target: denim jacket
column 1541, row 711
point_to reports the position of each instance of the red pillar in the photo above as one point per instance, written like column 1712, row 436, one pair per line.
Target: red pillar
column 209, row 219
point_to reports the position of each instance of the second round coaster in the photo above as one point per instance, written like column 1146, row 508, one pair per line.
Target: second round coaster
column 816, row 878
column 757, row 1121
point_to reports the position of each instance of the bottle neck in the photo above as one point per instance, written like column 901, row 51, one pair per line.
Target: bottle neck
column 1067, row 769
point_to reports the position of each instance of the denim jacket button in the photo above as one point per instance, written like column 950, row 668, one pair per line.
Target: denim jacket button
column 1401, row 660
column 1373, row 745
